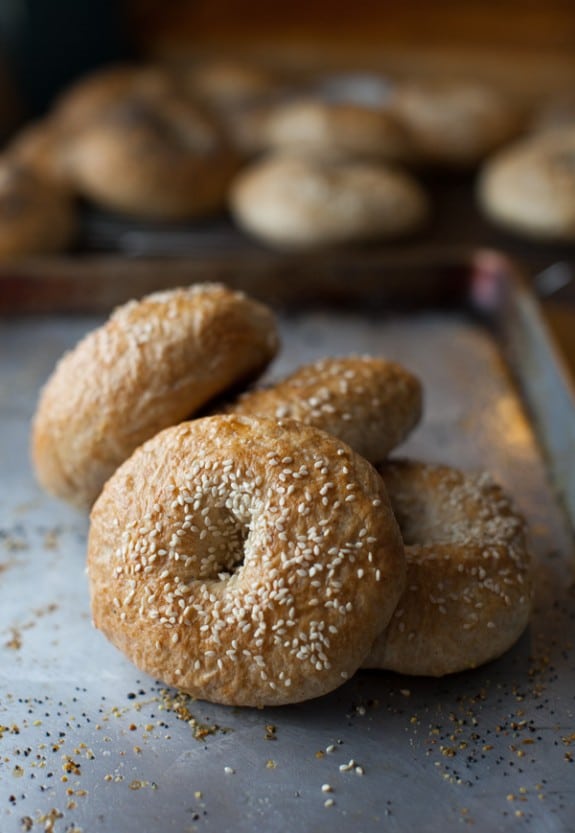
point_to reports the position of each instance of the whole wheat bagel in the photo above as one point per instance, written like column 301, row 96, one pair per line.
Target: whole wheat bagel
column 153, row 364
column 454, row 124
column 35, row 215
column 160, row 159
column 467, row 597
column 293, row 202
column 529, row 186
column 249, row 562
column 369, row 403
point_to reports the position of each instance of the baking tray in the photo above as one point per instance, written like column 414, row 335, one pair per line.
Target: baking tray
column 88, row 743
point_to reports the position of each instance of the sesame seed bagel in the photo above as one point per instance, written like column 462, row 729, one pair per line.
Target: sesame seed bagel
column 249, row 562
column 468, row 587
column 153, row 364
column 369, row 403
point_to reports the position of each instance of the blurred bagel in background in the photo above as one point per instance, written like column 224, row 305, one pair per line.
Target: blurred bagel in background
column 336, row 129
column 529, row 186
column 295, row 202
column 162, row 159
column 223, row 82
column 239, row 93
column 454, row 124
column 92, row 94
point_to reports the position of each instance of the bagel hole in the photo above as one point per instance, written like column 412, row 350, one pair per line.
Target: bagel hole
column 214, row 547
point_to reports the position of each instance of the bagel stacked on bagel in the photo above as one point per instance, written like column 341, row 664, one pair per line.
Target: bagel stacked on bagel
column 255, row 556
column 156, row 362
column 370, row 403
column 247, row 561
column 468, row 590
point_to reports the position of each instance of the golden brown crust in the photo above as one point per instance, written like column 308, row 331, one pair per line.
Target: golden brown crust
column 468, row 587
column 529, row 186
column 454, row 123
column 296, row 203
column 226, row 83
column 86, row 99
column 153, row 158
column 247, row 561
column 341, row 130
column 369, row 403
column 153, row 364
column 35, row 215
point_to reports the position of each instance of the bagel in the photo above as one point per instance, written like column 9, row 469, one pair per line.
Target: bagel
column 153, row 364
column 248, row 562
column 293, row 202
column 158, row 159
column 86, row 99
column 241, row 94
column 35, row 216
column 223, row 83
column 468, row 589
column 454, row 124
column 529, row 187
column 369, row 403
column 342, row 130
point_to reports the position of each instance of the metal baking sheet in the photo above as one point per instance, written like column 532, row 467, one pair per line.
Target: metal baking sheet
column 87, row 743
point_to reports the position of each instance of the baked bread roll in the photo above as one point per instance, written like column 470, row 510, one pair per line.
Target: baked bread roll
column 248, row 562
column 454, row 124
column 529, row 187
column 369, row 403
column 467, row 597
column 223, row 83
column 240, row 94
column 292, row 202
column 154, row 363
column 86, row 99
column 161, row 160
column 341, row 130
